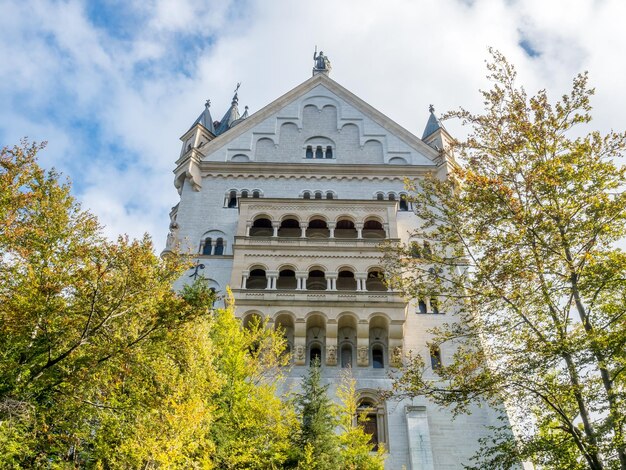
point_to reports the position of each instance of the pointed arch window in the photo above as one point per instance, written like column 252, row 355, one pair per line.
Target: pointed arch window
column 421, row 305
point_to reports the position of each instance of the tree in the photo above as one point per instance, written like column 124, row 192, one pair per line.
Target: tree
column 523, row 250
column 102, row 364
column 357, row 450
column 317, row 416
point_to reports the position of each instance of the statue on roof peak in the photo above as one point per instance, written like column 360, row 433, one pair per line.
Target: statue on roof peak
column 322, row 64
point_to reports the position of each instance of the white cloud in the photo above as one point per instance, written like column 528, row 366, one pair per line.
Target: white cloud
column 113, row 103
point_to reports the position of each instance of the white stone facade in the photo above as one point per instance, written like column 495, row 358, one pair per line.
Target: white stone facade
column 289, row 208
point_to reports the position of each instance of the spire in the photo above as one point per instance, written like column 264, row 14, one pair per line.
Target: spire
column 231, row 115
column 205, row 118
column 433, row 123
column 321, row 63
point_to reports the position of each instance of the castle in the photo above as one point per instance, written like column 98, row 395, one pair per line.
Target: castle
column 288, row 206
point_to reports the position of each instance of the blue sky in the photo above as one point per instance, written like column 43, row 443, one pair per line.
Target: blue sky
column 112, row 84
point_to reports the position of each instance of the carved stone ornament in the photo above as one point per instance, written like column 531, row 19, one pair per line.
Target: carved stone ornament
column 331, row 355
column 362, row 356
column 396, row 357
column 172, row 237
column 300, row 353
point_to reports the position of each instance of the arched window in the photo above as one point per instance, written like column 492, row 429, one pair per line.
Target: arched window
column 319, row 153
column 329, row 152
column 286, row 279
column 261, row 227
column 306, row 195
column 346, row 280
column 315, row 355
column 207, row 247
column 375, row 281
column 318, row 195
column 232, row 199
column 289, row 228
column 257, row 279
column 219, row 247
column 309, row 151
column 434, row 304
column 370, row 420
column 317, row 229
column 373, row 229
column 378, row 361
column 435, row 358
column 244, row 193
column 345, row 229
column 392, row 197
column 404, row 204
column 316, row 280
column 256, row 194
column 421, row 305
column 329, row 195
column 346, row 356
column 380, row 197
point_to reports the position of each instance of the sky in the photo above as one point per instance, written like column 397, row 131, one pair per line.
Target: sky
column 111, row 85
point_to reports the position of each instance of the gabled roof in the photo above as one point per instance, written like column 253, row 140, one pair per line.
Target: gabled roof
column 324, row 80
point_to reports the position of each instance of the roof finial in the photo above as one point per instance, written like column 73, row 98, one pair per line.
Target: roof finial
column 431, row 108
column 322, row 64
column 207, row 104
column 235, row 97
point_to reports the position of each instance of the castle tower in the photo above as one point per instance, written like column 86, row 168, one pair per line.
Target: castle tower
column 288, row 207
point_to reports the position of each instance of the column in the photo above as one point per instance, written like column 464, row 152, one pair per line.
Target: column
column 360, row 281
column 331, row 343
column 275, row 226
column 299, row 341
column 248, row 226
column 331, row 280
column 363, row 343
column 303, row 227
column 331, row 229
column 244, row 279
column 386, row 227
column 359, row 229
column 301, row 277
column 272, row 276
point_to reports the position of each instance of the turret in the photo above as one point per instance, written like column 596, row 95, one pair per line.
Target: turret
column 438, row 138
column 200, row 132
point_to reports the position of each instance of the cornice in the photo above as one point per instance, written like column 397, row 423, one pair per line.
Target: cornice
column 312, row 171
